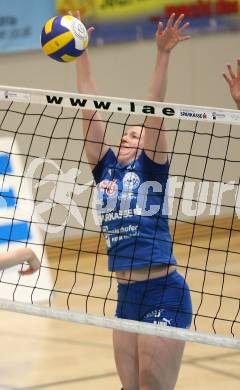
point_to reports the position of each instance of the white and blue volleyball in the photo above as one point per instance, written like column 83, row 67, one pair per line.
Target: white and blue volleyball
column 64, row 38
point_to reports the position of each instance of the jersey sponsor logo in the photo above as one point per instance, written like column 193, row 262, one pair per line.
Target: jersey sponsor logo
column 118, row 234
column 109, row 186
column 131, row 181
column 112, row 216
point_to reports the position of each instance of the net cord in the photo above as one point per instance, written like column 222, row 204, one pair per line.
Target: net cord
column 120, row 105
column 121, row 324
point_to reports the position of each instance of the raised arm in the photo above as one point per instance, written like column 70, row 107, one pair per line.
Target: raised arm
column 93, row 127
column 233, row 80
column 155, row 143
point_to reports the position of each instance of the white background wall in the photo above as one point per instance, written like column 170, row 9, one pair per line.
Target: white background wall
column 195, row 72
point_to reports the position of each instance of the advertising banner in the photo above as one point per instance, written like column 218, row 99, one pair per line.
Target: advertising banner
column 21, row 23
column 123, row 20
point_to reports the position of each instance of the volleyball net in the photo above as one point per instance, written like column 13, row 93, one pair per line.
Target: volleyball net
column 48, row 203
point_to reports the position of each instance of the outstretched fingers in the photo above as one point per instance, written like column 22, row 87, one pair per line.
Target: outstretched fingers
column 170, row 21
column 160, row 28
column 177, row 26
column 229, row 66
column 238, row 67
column 90, row 31
column 183, row 28
column 184, row 37
column 230, row 77
column 227, row 78
column 76, row 14
column 179, row 21
column 233, row 80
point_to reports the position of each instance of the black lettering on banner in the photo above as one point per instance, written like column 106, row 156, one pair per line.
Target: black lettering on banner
column 104, row 105
column 114, row 3
column 132, row 107
column 78, row 102
column 8, row 20
column 168, row 111
column 20, row 32
column 54, row 99
column 148, row 110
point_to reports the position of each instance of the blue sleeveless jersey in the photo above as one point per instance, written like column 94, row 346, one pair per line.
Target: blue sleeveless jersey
column 132, row 204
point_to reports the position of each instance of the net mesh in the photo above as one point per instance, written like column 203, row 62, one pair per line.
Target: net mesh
column 47, row 203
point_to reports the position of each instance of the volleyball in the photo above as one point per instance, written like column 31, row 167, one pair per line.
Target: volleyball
column 64, row 38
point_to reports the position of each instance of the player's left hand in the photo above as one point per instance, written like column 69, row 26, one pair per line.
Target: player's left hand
column 173, row 33
column 233, row 80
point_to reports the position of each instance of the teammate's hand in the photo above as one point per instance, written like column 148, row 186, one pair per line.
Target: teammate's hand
column 173, row 33
column 31, row 258
column 233, row 81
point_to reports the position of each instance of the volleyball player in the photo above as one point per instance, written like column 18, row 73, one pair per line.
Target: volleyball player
column 19, row 256
column 233, row 80
column 140, row 246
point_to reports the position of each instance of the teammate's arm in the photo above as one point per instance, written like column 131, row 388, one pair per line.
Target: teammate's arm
column 155, row 144
column 93, row 128
column 19, row 256
column 233, row 80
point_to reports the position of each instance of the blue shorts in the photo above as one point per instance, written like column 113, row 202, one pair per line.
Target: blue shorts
column 164, row 300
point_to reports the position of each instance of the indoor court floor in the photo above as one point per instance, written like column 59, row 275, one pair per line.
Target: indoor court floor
column 38, row 353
